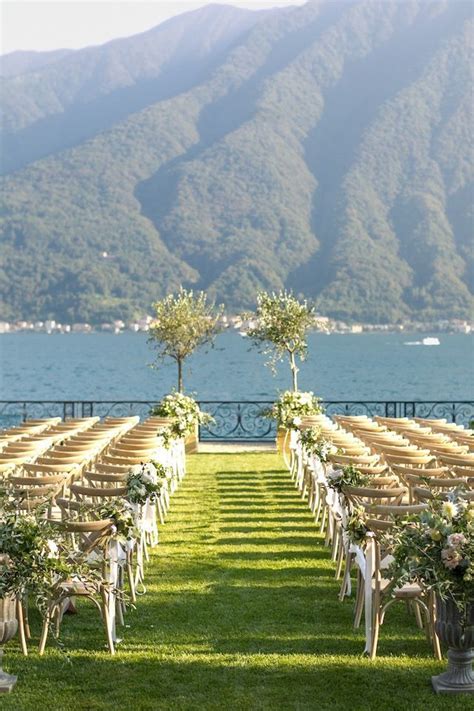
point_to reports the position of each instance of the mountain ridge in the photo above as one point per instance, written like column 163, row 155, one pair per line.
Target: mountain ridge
column 304, row 157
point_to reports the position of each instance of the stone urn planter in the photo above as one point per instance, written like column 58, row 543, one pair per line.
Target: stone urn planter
column 8, row 629
column 459, row 638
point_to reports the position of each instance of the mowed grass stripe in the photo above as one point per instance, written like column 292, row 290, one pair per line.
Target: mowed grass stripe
column 241, row 612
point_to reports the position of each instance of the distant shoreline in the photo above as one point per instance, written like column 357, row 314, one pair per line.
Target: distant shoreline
column 364, row 330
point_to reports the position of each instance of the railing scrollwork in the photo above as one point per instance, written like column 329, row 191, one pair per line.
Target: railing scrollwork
column 234, row 420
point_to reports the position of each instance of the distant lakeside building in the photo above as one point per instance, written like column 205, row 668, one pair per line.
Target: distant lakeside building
column 229, row 321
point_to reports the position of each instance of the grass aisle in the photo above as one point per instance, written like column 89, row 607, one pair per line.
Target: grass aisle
column 241, row 613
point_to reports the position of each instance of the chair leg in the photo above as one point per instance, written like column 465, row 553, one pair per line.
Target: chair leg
column 375, row 632
column 324, row 519
column 119, row 610
column 161, row 514
column 131, row 580
column 318, row 506
column 346, row 559
column 106, row 620
column 335, row 541
column 340, row 558
column 418, row 617
column 432, row 623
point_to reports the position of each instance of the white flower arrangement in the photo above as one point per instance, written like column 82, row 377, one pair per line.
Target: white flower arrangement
column 291, row 406
column 185, row 413
column 143, row 482
column 313, row 441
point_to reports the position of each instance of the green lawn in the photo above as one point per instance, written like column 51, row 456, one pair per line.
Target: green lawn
column 241, row 613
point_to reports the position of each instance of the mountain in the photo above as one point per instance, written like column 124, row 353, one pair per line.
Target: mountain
column 21, row 62
column 325, row 147
column 69, row 101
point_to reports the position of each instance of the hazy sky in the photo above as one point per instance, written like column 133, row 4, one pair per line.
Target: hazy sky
column 39, row 25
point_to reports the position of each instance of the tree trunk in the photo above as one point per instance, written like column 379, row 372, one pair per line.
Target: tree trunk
column 294, row 372
column 180, row 375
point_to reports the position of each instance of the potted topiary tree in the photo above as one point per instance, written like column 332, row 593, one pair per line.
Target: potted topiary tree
column 184, row 322
column 280, row 331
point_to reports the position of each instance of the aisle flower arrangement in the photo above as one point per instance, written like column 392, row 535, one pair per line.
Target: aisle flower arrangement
column 314, row 443
column 356, row 525
column 292, row 406
column 346, row 476
column 122, row 513
column 143, row 482
column 36, row 555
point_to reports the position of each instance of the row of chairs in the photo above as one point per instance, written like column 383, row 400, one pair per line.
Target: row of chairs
column 90, row 464
column 405, row 466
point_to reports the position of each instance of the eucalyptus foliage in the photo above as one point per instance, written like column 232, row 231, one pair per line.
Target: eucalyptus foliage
column 281, row 327
column 183, row 323
column 36, row 555
column 33, row 557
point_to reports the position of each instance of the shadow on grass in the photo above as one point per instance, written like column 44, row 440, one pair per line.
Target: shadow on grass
column 227, row 509
column 273, row 555
column 273, row 539
column 302, row 517
column 270, row 528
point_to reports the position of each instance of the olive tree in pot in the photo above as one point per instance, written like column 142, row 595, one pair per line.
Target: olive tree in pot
column 280, row 327
column 279, row 330
column 184, row 322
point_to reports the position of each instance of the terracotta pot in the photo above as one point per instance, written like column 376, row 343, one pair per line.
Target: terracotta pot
column 192, row 441
column 282, row 441
column 458, row 636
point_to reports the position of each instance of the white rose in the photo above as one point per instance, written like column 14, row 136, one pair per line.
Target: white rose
column 52, row 549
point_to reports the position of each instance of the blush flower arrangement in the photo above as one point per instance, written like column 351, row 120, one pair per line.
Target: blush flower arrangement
column 436, row 548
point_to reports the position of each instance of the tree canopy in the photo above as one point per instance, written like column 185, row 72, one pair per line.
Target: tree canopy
column 280, row 329
column 183, row 323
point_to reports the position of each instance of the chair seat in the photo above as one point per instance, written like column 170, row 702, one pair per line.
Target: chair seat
column 77, row 587
column 408, row 590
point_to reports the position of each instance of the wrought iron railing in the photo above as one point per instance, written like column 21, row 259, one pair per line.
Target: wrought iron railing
column 238, row 421
column 234, row 420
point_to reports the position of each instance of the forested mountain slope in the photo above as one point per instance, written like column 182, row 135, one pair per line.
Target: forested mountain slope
column 326, row 148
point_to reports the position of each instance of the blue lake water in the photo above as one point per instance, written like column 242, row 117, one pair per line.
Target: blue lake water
column 102, row 366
